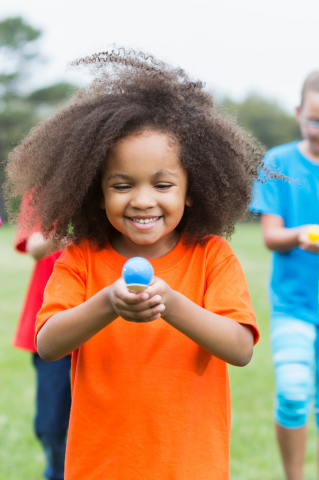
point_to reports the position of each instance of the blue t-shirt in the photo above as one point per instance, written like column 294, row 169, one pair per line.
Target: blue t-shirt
column 295, row 274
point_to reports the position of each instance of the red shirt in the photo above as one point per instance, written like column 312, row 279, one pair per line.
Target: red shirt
column 24, row 335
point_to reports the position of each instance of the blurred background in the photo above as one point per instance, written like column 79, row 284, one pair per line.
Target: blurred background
column 253, row 57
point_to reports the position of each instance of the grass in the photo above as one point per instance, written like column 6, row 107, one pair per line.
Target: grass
column 254, row 453
column 21, row 456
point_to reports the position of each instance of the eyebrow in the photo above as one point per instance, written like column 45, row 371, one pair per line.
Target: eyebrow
column 162, row 173
column 158, row 174
column 119, row 175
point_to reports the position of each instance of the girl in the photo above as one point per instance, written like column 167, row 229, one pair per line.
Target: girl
column 142, row 164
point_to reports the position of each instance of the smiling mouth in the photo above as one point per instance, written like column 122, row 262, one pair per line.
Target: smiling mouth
column 144, row 220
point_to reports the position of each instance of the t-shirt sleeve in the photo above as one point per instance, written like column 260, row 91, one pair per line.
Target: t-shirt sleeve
column 267, row 193
column 20, row 244
column 227, row 292
column 66, row 287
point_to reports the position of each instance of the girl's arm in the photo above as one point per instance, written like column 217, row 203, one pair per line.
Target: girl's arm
column 67, row 330
column 281, row 239
column 221, row 336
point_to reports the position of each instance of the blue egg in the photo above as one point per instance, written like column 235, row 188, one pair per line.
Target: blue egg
column 137, row 270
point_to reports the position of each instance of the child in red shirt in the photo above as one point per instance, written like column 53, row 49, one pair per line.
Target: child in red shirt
column 141, row 164
column 53, row 392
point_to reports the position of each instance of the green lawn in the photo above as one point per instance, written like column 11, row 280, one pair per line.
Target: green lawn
column 254, row 454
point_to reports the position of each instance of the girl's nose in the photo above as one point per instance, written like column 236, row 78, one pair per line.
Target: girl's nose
column 143, row 199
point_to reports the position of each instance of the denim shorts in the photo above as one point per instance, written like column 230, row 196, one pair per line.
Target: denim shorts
column 295, row 355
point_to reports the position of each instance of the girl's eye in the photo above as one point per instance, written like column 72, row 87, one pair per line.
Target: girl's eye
column 122, row 188
column 163, row 186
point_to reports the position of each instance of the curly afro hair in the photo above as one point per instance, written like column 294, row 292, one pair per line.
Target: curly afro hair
column 59, row 164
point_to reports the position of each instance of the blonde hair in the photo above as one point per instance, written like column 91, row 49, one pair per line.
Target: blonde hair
column 311, row 84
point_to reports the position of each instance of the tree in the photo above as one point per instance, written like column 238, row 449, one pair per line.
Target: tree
column 265, row 119
column 19, row 111
column 52, row 95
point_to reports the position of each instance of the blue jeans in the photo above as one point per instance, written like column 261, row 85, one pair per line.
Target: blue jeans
column 53, row 403
column 295, row 347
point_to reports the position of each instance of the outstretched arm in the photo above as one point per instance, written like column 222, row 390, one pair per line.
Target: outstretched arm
column 67, row 330
column 281, row 239
column 221, row 336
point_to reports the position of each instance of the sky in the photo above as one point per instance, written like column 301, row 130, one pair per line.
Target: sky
column 236, row 47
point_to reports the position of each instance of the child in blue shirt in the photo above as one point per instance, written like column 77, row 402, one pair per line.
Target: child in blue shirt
column 288, row 210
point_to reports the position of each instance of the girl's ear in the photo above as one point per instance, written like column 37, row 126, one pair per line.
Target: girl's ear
column 298, row 114
column 102, row 203
column 188, row 202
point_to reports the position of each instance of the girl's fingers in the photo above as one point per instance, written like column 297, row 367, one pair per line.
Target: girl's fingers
column 131, row 298
column 145, row 320
column 145, row 305
column 138, row 306
column 144, row 314
column 156, row 288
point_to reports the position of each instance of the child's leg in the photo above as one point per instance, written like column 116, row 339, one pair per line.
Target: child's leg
column 316, row 409
column 53, row 402
column 293, row 348
column 292, row 444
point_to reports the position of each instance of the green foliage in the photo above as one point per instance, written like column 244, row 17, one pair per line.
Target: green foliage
column 19, row 112
column 53, row 94
column 16, row 117
column 15, row 33
column 265, row 119
column 17, row 49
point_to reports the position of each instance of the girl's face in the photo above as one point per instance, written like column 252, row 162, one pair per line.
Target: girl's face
column 144, row 188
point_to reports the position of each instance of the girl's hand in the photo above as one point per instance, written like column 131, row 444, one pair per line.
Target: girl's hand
column 135, row 307
column 159, row 288
column 304, row 241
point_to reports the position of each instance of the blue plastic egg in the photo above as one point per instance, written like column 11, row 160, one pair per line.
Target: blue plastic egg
column 137, row 271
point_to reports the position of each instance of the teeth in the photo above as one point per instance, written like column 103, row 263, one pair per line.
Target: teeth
column 147, row 220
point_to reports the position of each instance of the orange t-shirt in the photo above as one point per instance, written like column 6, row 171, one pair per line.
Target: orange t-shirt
column 148, row 402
